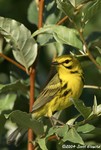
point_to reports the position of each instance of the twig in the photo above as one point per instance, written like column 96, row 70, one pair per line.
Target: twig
column 32, row 78
column 53, row 137
column 84, row 43
column 87, row 50
column 13, row 62
column 40, row 15
column 82, row 39
column 62, row 20
column 32, row 82
column 92, row 87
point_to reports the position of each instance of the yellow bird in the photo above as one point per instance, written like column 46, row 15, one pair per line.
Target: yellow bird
column 67, row 84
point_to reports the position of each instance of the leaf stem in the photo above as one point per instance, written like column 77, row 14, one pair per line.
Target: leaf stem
column 13, row 62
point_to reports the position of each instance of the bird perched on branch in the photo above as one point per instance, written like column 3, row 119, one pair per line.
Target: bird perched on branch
column 67, row 83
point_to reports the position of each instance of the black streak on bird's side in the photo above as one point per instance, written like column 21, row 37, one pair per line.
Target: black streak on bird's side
column 66, row 92
column 64, row 86
column 73, row 72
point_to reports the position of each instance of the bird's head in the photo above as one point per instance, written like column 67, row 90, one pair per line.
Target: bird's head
column 67, row 64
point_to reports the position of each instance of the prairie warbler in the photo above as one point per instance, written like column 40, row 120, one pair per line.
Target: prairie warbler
column 66, row 84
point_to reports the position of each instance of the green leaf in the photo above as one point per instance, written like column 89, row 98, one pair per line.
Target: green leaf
column 45, row 39
column 77, row 2
column 91, row 9
column 65, row 6
column 73, row 136
column 42, row 143
column 96, row 111
column 51, row 13
column 85, row 128
column 95, row 106
column 18, row 85
column 51, row 131
column 7, row 101
column 24, row 120
column 98, row 59
column 99, row 110
column 67, row 36
column 33, row 13
column 52, row 18
column 80, row 106
column 72, row 120
column 61, row 34
column 54, row 49
column 99, row 49
column 1, row 43
column 61, row 131
column 19, row 37
column 73, row 2
column 96, row 131
column 78, row 10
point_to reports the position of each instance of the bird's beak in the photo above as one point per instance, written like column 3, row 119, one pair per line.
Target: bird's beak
column 55, row 63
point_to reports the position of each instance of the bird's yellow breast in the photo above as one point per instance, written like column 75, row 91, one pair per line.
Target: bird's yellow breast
column 71, row 87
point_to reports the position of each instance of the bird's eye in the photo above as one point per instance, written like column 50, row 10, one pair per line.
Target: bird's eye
column 66, row 61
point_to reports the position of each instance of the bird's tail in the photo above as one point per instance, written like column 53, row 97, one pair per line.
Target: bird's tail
column 16, row 136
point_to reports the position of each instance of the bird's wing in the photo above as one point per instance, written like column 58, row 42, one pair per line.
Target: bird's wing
column 48, row 93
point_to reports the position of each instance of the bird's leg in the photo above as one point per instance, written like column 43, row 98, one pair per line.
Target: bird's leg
column 52, row 119
column 53, row 125
column 52, row 122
